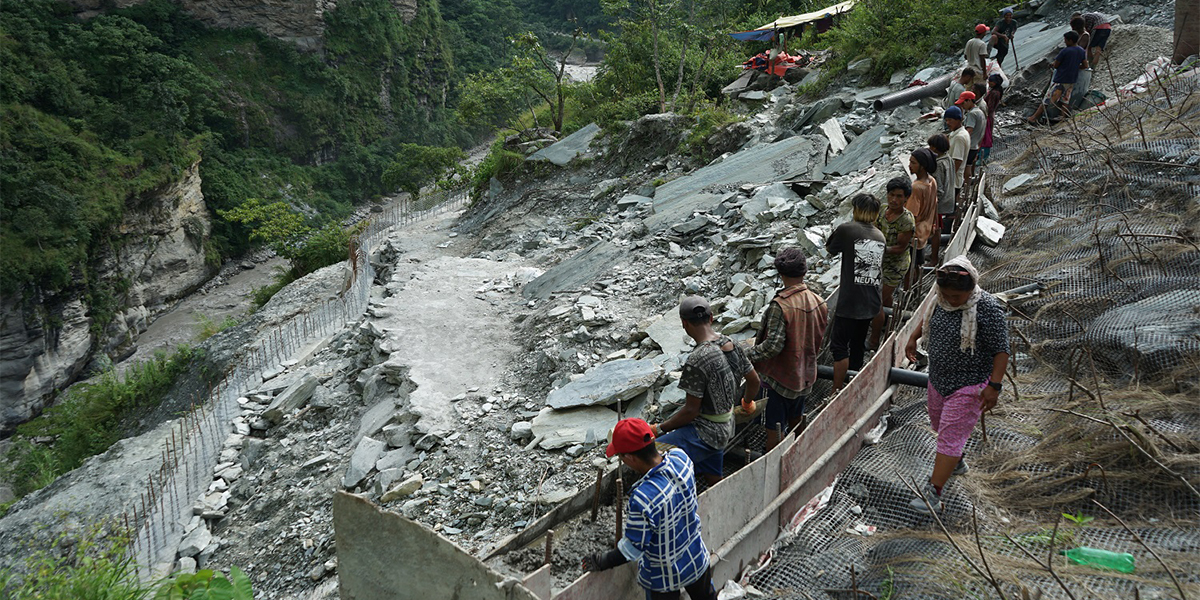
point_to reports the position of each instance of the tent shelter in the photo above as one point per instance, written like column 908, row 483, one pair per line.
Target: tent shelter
column 822, row 18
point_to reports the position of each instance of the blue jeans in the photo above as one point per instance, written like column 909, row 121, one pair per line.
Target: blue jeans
column 706, row 458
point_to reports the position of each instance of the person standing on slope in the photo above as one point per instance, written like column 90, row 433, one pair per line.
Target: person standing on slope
column 785, row 352
column 967, row 337
column 860, row 245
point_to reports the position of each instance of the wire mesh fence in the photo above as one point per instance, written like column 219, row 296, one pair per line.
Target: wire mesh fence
column 181, row 488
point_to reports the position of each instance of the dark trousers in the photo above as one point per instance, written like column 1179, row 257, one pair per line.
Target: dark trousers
column 848, row 339
column 1001, row 52
column 702, row 589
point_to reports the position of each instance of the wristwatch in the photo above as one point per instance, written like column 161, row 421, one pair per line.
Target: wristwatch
column 996, row 384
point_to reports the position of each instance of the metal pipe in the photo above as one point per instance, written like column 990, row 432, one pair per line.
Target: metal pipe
column 914, row 93
column 895, row 376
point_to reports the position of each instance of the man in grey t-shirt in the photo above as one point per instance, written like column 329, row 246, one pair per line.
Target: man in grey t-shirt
column 975, row 122
column 712, row 379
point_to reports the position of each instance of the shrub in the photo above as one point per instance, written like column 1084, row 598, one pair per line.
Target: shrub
column 206, row 327
column 90, row 418
column 262, row 295
column 206, row 585
column 91, row 570
column 498, row 163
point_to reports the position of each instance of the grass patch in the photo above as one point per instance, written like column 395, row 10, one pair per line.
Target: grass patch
column 262, row 295
column 206, row 327
column 498, row 163
column 708, row 119
column 88, row 568
column 89, row 419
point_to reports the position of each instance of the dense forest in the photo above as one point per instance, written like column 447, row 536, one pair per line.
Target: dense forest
column 96, row 112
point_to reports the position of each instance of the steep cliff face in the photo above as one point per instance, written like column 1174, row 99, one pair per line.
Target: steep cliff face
column 46, row 342
column 301, row 22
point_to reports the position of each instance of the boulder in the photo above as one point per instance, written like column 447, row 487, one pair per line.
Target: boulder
column 1148, row 336
column 859, row 67
column 564, row 428
column 362, row 461
column 667, row 332
column 989, row 232
column 291, row 398
column 403, row 489
column 607, row 383
column 195, row 541
column 521, row 430
column 565, row 150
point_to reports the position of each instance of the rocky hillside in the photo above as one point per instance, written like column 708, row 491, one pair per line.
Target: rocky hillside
column 113, row 199
column 47, row 340
column 465, row 397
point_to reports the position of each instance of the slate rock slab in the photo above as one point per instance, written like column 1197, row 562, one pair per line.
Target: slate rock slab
column 362, row 461
column 565, row 150
column 291, row 399
column 667, row 332
column 606, row 383
column 859, row 155
column 563, row 428
column 797, row 157
column 579, row 270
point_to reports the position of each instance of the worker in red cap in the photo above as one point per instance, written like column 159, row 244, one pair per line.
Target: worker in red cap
column 975, row 122
column 662, row 526
column 976, row 52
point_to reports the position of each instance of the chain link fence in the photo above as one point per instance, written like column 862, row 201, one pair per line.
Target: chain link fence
column 156, row 521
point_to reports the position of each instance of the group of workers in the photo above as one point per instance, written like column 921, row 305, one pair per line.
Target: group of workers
column 883, row 247
column 967, row 345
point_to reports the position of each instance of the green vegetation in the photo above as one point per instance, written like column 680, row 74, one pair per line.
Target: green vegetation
column 93, row 569
column 206, row 327
column 206, row 585
column 97, row 565
column 416, row 166
column 900, row 35
column 276, row 225
column 89, row 419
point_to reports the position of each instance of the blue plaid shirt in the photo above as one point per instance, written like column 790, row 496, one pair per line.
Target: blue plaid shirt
column 662, row 530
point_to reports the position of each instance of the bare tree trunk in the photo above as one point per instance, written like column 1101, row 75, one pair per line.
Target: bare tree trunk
column 558, row 81
column 696, row 78
column 687, row 41
column 662, row 92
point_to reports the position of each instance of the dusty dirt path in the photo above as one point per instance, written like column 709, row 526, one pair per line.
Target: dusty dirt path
column 441, row 321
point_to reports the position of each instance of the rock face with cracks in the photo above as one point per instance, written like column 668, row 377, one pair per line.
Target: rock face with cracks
column 607, row 384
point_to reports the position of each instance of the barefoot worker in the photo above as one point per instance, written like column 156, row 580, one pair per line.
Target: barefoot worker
column 662, row 529
column 967, row 336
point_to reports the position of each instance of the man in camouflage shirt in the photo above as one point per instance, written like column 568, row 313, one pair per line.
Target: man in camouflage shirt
column 711, row 378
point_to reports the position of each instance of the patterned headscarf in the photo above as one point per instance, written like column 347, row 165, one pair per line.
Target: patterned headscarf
column 970, row 316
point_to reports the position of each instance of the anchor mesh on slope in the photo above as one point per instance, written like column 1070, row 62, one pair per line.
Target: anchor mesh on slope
column 1113, row 337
